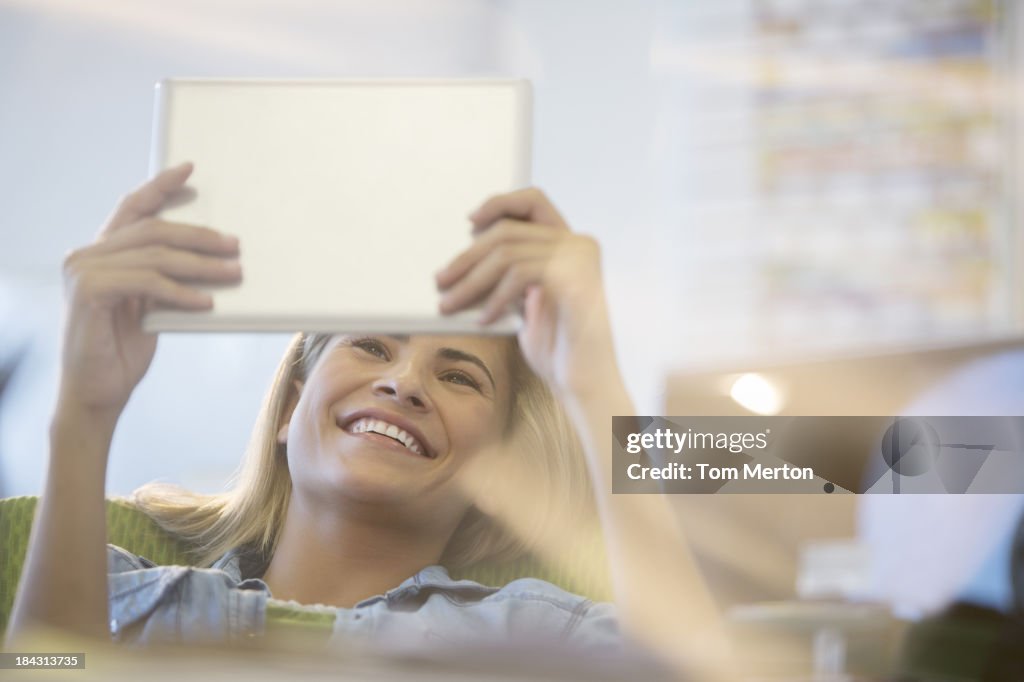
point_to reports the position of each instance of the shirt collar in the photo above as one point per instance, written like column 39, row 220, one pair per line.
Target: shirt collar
column 231, row 563
column 436, row 578
column 238, row 563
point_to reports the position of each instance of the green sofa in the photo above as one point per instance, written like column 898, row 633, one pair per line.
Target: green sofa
column 130, row 528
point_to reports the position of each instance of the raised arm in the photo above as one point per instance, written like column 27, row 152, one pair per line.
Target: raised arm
column 137, row 261
column 524, row 251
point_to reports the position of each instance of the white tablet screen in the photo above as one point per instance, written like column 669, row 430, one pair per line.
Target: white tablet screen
column 347, row 196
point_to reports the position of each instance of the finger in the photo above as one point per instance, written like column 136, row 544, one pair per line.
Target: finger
column 529, row 204
column 486, row 274
column 538, row 319
column 510, row 289
column 154, row 231
column 505, row 231
column 149, row 197
column 110, row 287
column 177, row 264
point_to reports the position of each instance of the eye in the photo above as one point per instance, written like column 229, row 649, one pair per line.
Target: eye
column 372, row 346
column 460, row 378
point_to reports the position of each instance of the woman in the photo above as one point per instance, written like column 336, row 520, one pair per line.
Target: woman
column 366, row 488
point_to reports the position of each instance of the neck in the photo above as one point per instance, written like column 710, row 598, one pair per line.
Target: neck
column 340, row 559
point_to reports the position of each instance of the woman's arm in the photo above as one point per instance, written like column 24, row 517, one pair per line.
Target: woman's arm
column 662, row 597
column 137, row 260
column 64, row 575
column 525, row 252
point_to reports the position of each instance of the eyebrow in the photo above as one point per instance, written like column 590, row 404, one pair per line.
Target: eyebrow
column 454, row 354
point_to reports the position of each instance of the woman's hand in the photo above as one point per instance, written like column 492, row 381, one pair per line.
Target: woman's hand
column 525, row 252
column 525, row 255
column 137, row 261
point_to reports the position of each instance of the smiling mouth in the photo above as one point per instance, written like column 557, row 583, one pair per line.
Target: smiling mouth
column 388, row 430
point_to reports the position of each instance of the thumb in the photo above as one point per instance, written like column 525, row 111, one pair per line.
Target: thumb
column 533, row 314
column 539, row 333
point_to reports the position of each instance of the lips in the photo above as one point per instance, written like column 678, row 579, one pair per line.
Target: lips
column 387, row 426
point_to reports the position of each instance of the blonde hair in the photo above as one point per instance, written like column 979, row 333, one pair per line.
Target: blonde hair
column 252, row 513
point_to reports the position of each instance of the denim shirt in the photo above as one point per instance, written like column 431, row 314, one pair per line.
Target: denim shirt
column 430, row 610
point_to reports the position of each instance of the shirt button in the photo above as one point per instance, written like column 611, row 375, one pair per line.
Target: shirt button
column 113, row 624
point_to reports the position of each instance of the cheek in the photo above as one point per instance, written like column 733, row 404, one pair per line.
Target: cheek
column 302, row 430
column 476, row 428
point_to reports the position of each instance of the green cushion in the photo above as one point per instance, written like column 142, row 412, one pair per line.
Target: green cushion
column 130, row 528
column 284, row 620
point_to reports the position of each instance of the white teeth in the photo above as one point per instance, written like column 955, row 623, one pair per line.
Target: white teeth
column 384, row 428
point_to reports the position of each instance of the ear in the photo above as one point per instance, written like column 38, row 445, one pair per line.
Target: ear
column 289, row 410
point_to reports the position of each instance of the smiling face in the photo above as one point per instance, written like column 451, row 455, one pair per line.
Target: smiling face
column 392, row 419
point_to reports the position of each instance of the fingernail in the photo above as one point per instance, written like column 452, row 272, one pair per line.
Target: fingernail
column 229, row 241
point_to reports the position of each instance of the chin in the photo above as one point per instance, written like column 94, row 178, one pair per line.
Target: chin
column 370, row 490
column 373, row 482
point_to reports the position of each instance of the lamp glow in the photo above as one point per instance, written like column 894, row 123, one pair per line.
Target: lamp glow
column 757, row 394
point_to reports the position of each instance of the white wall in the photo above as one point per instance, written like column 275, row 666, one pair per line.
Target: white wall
column 75, row 111
column 74, row 129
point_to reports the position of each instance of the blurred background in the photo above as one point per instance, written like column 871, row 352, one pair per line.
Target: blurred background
column 823, row 189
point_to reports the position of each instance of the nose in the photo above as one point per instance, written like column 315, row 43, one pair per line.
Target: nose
column 402, row 386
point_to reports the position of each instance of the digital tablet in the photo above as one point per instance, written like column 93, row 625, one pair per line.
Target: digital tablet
column 346, row 195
